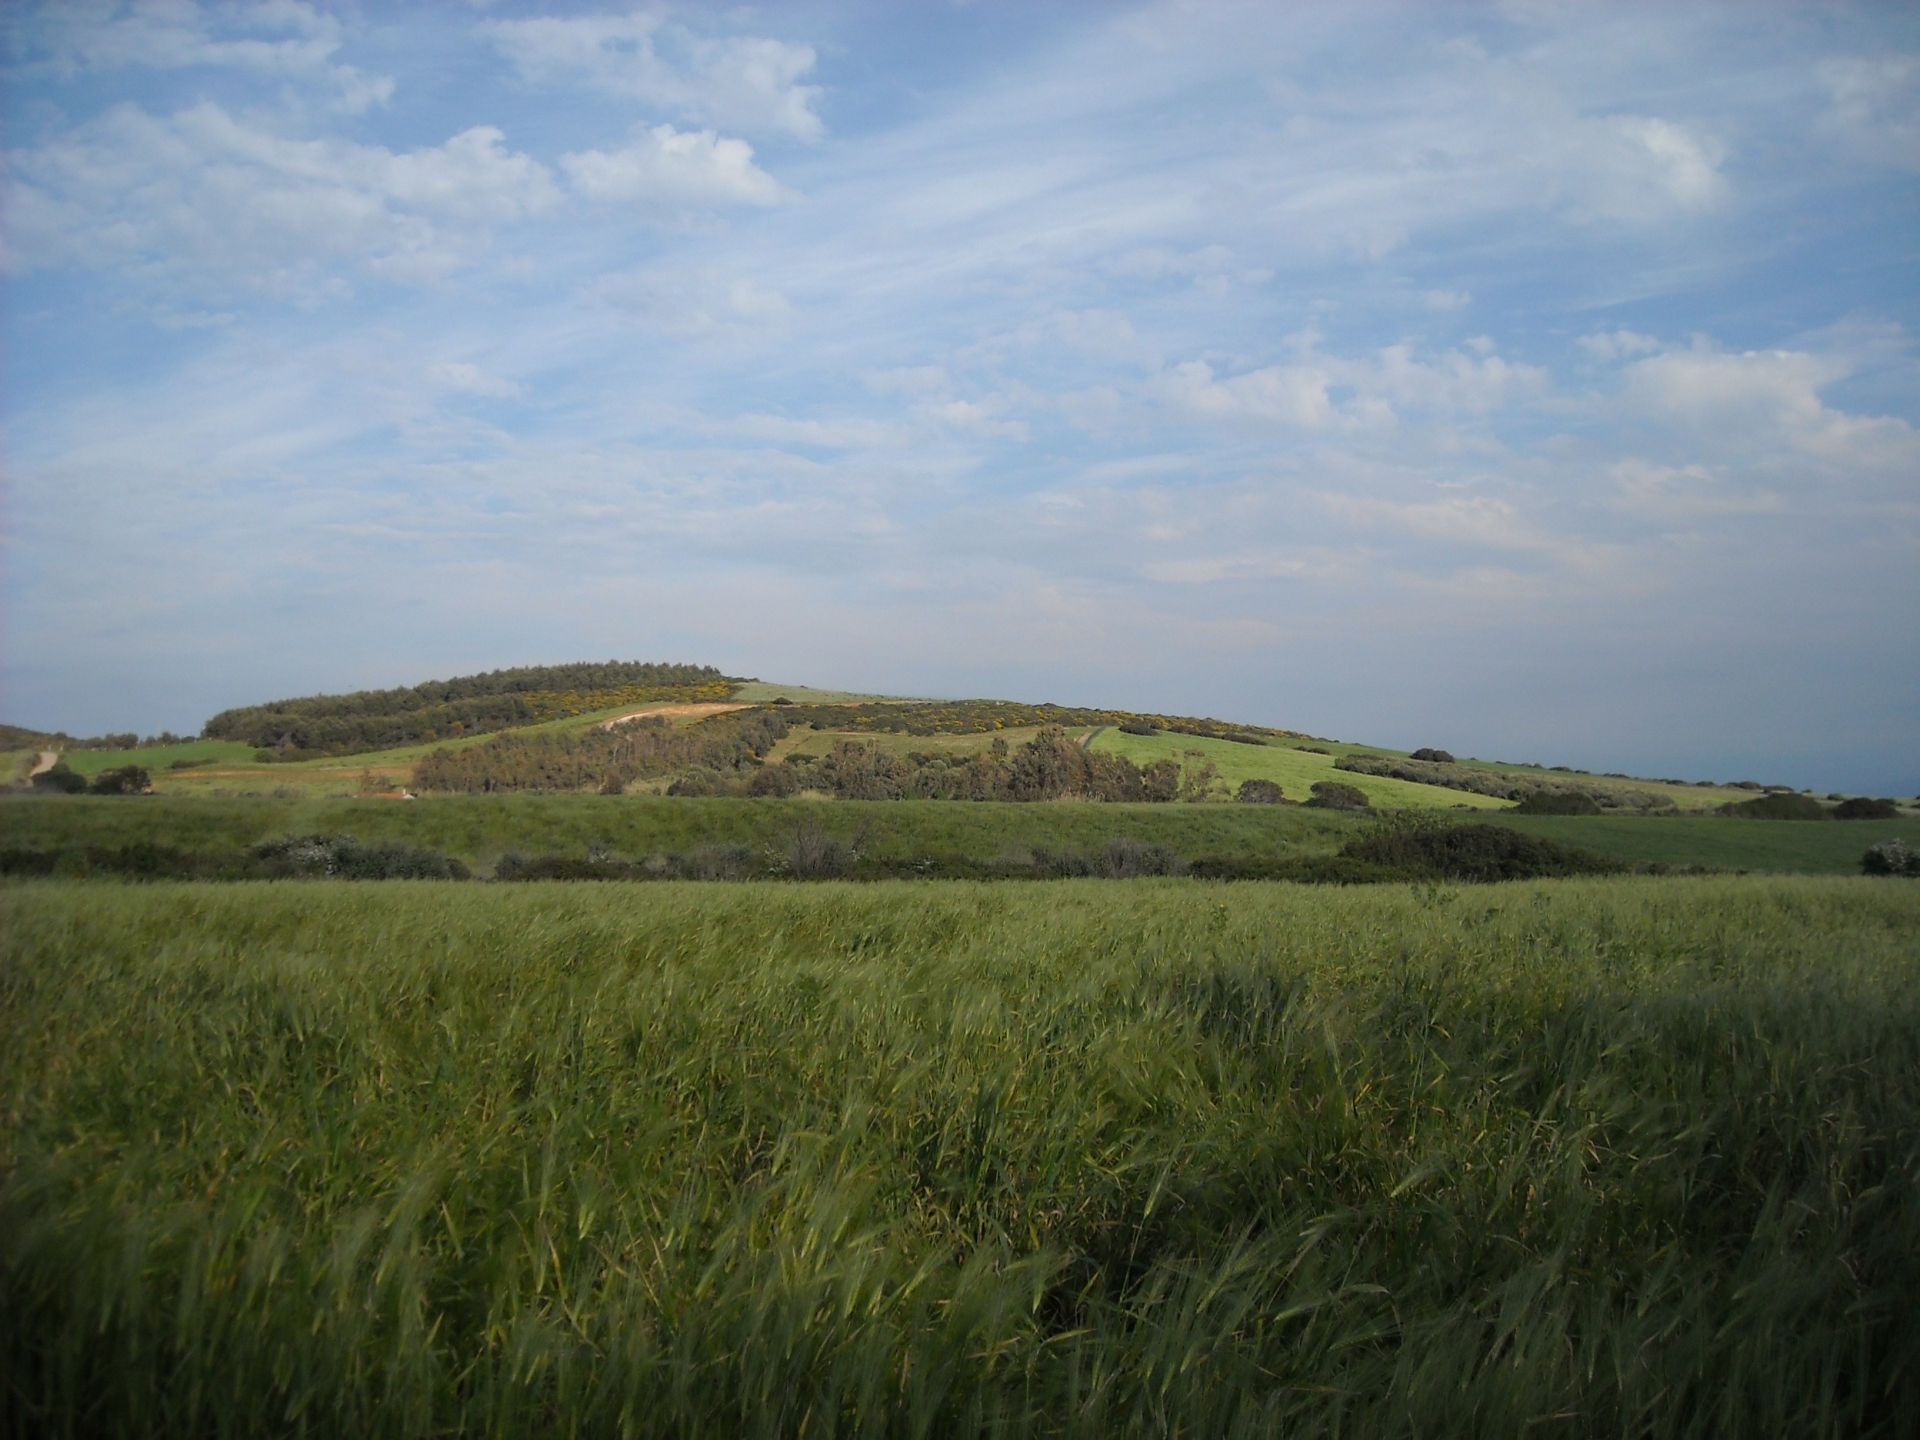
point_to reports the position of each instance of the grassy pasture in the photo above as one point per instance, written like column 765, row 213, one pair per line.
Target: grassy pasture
column 1683, row 797
column 1295, row 771
column 1633, row 1157
column 1805, row 847
column 156, row 758
column 478, row 828
column 761, row 692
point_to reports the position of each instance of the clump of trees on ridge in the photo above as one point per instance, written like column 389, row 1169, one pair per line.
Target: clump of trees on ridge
column 322, row 725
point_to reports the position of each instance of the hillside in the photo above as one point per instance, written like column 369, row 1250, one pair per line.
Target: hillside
column 642, row 727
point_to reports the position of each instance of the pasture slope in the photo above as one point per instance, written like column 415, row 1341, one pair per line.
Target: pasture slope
column 1626, row 1157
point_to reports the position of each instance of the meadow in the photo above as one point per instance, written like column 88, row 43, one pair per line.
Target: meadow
column 480, row 828
column 1804, row 847
column 1296, row 771
column 1627, row 1157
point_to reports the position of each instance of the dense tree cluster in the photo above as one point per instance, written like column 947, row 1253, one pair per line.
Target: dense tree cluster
column 977, row 717
column 726, row 755
column 465, row 705
column 603, row 759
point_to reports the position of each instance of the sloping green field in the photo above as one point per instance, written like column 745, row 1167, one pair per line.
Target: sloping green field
column 1295, row 771
column 1802, row 847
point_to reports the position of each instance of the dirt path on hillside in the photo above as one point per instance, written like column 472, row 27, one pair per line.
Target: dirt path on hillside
column 703, row 707
column 48, row 759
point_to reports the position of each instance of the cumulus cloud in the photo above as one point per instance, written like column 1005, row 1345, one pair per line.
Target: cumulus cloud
column 749, row 83
column 674, row 170
column 1293, row 395
column 205, row 196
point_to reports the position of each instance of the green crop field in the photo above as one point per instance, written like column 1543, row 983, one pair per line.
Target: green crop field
column 1628, row 1157
column 1806, row 847
column 156, row 758
column 479, row 828
column 1295, row 771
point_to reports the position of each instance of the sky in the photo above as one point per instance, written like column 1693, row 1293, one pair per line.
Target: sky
column 1533, row 380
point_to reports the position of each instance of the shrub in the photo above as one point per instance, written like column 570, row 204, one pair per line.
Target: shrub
column 341, row 857
column 1890, row 857
column 1313, row 750
column 713, row 862
column 1258, row 792
column 777, row 780
column 126, row 780
column 1438, row 757
column 1863, row 807
column 1777, row 805
column 1334, row 795
column 1124, row 858
column 1416, row 846
column 1139, row 727
column 60, row 779
column 813, row 854
column 1557, row 802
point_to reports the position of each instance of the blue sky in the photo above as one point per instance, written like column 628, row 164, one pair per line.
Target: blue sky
column 1536, row 380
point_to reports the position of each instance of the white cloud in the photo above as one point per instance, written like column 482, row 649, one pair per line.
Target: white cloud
column 1618, row 344
column 465, row 378
column 274, row 38
column 675, row 170
column 1446, row 301
column 1293, row 395
column 202, row 195
column 692, row 303
column 749, row 83
column 1685, row 492
column 1874, row 107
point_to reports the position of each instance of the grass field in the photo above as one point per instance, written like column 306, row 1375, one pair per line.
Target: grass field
column 1295, row 771
column 478, row 828
column 761, row 692
column 1631, row 1157
column 1806, row 847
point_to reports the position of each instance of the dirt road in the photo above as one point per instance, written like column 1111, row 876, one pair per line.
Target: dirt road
column 47, row 760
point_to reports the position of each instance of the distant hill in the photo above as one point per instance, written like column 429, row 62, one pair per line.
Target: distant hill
column 332, row 725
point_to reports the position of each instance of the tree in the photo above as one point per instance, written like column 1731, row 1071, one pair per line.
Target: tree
column 1332, row 795
column 126, row 780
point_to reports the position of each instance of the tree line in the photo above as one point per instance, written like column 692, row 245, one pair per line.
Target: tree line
column 320, row 725
column 727, row 755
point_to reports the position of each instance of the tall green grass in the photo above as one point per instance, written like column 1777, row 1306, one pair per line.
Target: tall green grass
column 1626, row 1157
column 479, row 828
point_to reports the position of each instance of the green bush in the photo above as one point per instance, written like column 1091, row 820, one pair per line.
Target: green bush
column 1777, row 805
column 1259, row 792
column 126, row 780
column 1557, row 802
column 1862, row 807
column 1334, row 795
column 1417, row 845
column 60, row 779
column 1438, row 757
column 1890, row 857
column 341, row 857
